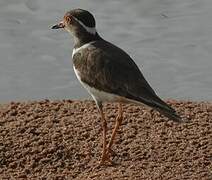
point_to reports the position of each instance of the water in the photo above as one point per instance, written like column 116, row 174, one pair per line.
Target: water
column 171, row 41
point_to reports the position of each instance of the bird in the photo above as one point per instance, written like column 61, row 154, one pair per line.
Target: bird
column 108, row 73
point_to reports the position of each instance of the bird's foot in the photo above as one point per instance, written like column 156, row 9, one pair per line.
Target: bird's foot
column 105, row 158
column 110, row 151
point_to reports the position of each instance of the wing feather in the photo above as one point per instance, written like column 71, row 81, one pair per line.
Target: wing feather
column 108, row 68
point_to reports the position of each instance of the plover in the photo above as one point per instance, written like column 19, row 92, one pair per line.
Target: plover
column 108, row 73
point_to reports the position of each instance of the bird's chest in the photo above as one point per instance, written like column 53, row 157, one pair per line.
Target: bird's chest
column 82, row 67
column 87, row 64
column 80, row 56
column 97, row 95
column 79, row 60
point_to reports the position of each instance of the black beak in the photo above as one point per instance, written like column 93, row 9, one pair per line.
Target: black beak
column 58, row 26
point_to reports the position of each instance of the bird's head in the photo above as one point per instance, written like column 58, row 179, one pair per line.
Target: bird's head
column 77, row 21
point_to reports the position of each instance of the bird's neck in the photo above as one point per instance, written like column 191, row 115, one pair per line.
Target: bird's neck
column 83, row 37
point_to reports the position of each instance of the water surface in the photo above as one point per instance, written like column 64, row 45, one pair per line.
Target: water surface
column 171, row 41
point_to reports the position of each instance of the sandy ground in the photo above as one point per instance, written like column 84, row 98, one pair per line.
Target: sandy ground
column 169, row 40
column 61, row 140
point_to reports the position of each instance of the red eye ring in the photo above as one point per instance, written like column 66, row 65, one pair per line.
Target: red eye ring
column 68, row 19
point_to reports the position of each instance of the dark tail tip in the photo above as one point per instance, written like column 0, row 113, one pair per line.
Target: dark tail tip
column 173, row 116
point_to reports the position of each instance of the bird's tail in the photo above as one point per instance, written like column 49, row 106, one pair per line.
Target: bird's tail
column 170, row 114
column 166, row 110
column 162, row 107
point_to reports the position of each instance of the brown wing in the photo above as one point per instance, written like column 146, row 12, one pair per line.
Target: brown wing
column 108, row 68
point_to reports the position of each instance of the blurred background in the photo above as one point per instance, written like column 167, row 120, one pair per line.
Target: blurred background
column 171, row 41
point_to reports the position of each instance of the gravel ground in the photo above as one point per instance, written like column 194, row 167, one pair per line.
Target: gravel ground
column 61, row 140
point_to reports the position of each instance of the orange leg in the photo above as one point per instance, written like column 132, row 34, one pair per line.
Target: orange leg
column 105, row 156
column 118, row 123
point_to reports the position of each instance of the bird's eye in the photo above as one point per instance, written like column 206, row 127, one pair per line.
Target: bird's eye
column 68, row 19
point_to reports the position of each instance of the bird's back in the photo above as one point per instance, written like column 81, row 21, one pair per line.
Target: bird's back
column 108, row 68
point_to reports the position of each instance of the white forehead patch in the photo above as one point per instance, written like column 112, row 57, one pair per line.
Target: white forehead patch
column 91, row 30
